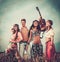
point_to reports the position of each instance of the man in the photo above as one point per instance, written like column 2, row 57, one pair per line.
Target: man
column 24, row 32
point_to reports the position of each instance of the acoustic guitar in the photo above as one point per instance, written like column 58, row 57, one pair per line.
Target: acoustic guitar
column 41, row 21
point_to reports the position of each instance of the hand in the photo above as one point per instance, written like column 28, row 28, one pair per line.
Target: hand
column 51, row 43
column 28, row 43
column 50, row 47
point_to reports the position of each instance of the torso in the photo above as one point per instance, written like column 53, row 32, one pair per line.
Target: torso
column 48, row 34
column 24, row 32
column 19, row 37
column 36, row 37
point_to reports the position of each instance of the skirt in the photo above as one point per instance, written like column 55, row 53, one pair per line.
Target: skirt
column 50, row 50
column 37, row 50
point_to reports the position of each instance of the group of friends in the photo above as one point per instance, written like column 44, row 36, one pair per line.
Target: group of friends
column 30, row 40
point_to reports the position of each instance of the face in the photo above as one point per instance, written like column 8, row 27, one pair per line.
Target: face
column 15, row 28
column 47, row 23
column 35, row 23
column 12, row 31
column 23, row 23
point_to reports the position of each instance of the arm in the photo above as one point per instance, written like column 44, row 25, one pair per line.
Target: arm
column 52, row 39
column 19, row 37
column 30, row 36
column 52, row 36
column 12, row 39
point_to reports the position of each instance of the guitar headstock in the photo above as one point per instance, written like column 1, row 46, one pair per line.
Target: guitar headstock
column 38, row 10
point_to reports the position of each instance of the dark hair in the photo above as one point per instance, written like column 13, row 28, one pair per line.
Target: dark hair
column 32, row 26
column 18, row 30
column 16, row 25
column 23, row 20
column 51, row 22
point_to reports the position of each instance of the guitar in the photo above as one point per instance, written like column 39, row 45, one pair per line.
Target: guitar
column 41, row 21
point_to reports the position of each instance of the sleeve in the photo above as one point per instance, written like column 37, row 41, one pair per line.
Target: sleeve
column 52, row 33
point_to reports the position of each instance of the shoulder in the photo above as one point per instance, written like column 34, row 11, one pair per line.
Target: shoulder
column 19, row 33
column 26, row 28
column 52, row 31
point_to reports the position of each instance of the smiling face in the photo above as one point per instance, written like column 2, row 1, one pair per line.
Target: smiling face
column 35, row 23
column 48, row 24
column 15, row 27
column 23, row 23
column 12, row 30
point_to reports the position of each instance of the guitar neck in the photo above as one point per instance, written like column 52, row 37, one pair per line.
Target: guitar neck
column 39, row 12
column 41, row 21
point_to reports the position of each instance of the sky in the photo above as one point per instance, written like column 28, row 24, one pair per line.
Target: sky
column 12, row 11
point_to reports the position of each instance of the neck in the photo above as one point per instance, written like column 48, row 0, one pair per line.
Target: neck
column 23, row 26
column 35, row 28
column 48, row 28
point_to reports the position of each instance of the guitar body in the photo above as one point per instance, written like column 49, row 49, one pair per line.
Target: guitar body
column 42, row 24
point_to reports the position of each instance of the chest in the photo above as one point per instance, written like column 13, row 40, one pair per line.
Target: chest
column 24, row 30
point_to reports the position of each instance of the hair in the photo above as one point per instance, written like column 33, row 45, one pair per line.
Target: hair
column 16, row 25
column 23, row 20
column 18, row 30
column 51, row 23
column 32, row 26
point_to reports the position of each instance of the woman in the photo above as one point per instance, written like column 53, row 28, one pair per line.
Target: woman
column 50, row 48
column 34, row 39
column 16, row 37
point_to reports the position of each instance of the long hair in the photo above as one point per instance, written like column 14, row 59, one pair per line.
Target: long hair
column 51, row 23
column 18, row 30
column 32, row 26
column 16, row 25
